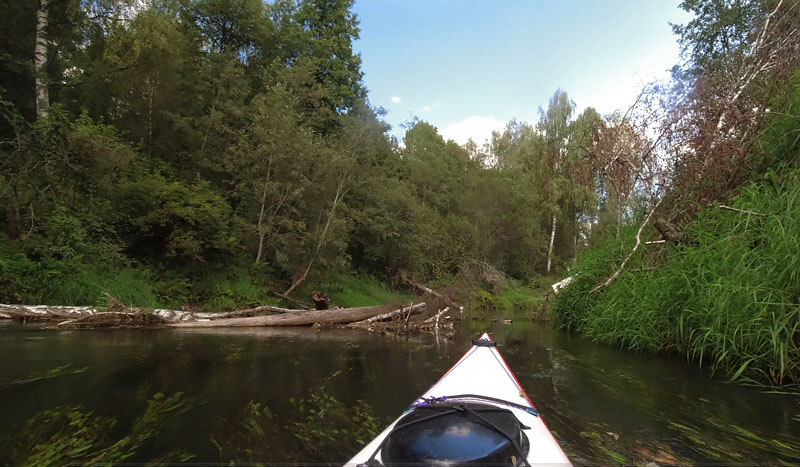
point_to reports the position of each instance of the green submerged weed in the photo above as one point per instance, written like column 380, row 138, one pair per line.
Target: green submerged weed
column 70, row 435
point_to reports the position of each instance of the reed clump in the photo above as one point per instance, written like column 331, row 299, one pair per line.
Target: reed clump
column 728, row 298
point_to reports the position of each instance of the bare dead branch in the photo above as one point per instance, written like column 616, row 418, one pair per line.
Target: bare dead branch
column 304, row 305
column 635, row 248
column 743, row 211
column 438, row 315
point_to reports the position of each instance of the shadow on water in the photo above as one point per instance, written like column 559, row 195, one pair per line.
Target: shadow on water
column 303, row 395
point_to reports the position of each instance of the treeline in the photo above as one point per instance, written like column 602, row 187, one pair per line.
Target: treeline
column 707, row 268
column 204, row 152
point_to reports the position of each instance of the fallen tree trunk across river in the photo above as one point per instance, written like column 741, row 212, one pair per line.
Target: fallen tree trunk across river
column 89, row 317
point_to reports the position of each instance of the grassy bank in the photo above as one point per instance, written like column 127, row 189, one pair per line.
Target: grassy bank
column 729, row 298
column 84, row 279
column 347, row 290
column 73, row 279
column 514, row 300
column 81, row 280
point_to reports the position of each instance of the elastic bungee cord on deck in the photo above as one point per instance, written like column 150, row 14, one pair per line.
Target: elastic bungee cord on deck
column 431, row 403
column 434, row 400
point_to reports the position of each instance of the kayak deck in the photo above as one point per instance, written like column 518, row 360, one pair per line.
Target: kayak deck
column 482, row 375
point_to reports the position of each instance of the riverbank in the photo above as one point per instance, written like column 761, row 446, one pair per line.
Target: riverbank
column 727, row 298
column 354, row 301
column 87, row 281
column 83, row 282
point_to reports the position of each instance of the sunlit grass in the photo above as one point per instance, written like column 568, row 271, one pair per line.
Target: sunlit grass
column 361, row 290
column 86, row 284
column 513, row 298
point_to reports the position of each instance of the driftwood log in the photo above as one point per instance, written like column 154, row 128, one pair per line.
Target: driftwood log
column 56, row 313
column 435, row 318
column 398, row 322
column 43, row 313
column 299, row 318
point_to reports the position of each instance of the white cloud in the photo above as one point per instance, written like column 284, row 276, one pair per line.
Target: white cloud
column 396, row 99
column 476, row 127
column 428, row 108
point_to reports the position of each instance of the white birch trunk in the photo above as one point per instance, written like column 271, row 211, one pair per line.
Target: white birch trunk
column 261, row 232
column 40, row 60
column 552, row 240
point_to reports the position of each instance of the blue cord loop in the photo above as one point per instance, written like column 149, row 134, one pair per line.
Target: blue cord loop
column 429, row 401
column 435, row 400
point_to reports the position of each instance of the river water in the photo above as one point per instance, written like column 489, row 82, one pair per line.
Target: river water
column 315, row 396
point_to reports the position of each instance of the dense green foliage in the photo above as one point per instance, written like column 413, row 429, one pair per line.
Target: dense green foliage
column 202, row 153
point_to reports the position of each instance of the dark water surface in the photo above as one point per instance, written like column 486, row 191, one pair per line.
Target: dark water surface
column 306, row 396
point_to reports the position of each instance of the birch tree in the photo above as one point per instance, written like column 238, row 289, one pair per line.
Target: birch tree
column 40, row 58
column 554, row 125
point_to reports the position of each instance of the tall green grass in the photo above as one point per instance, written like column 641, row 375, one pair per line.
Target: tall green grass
column 515, row 297
column 229, row 288
column 729, row 298
column 83, row 279
column 73, row 281
column 360, row 290
column 85, row 284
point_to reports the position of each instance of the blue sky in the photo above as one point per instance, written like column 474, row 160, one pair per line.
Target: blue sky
column 469, row 66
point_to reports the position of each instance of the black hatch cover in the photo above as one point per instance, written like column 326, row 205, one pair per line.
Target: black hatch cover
column 446, row 434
